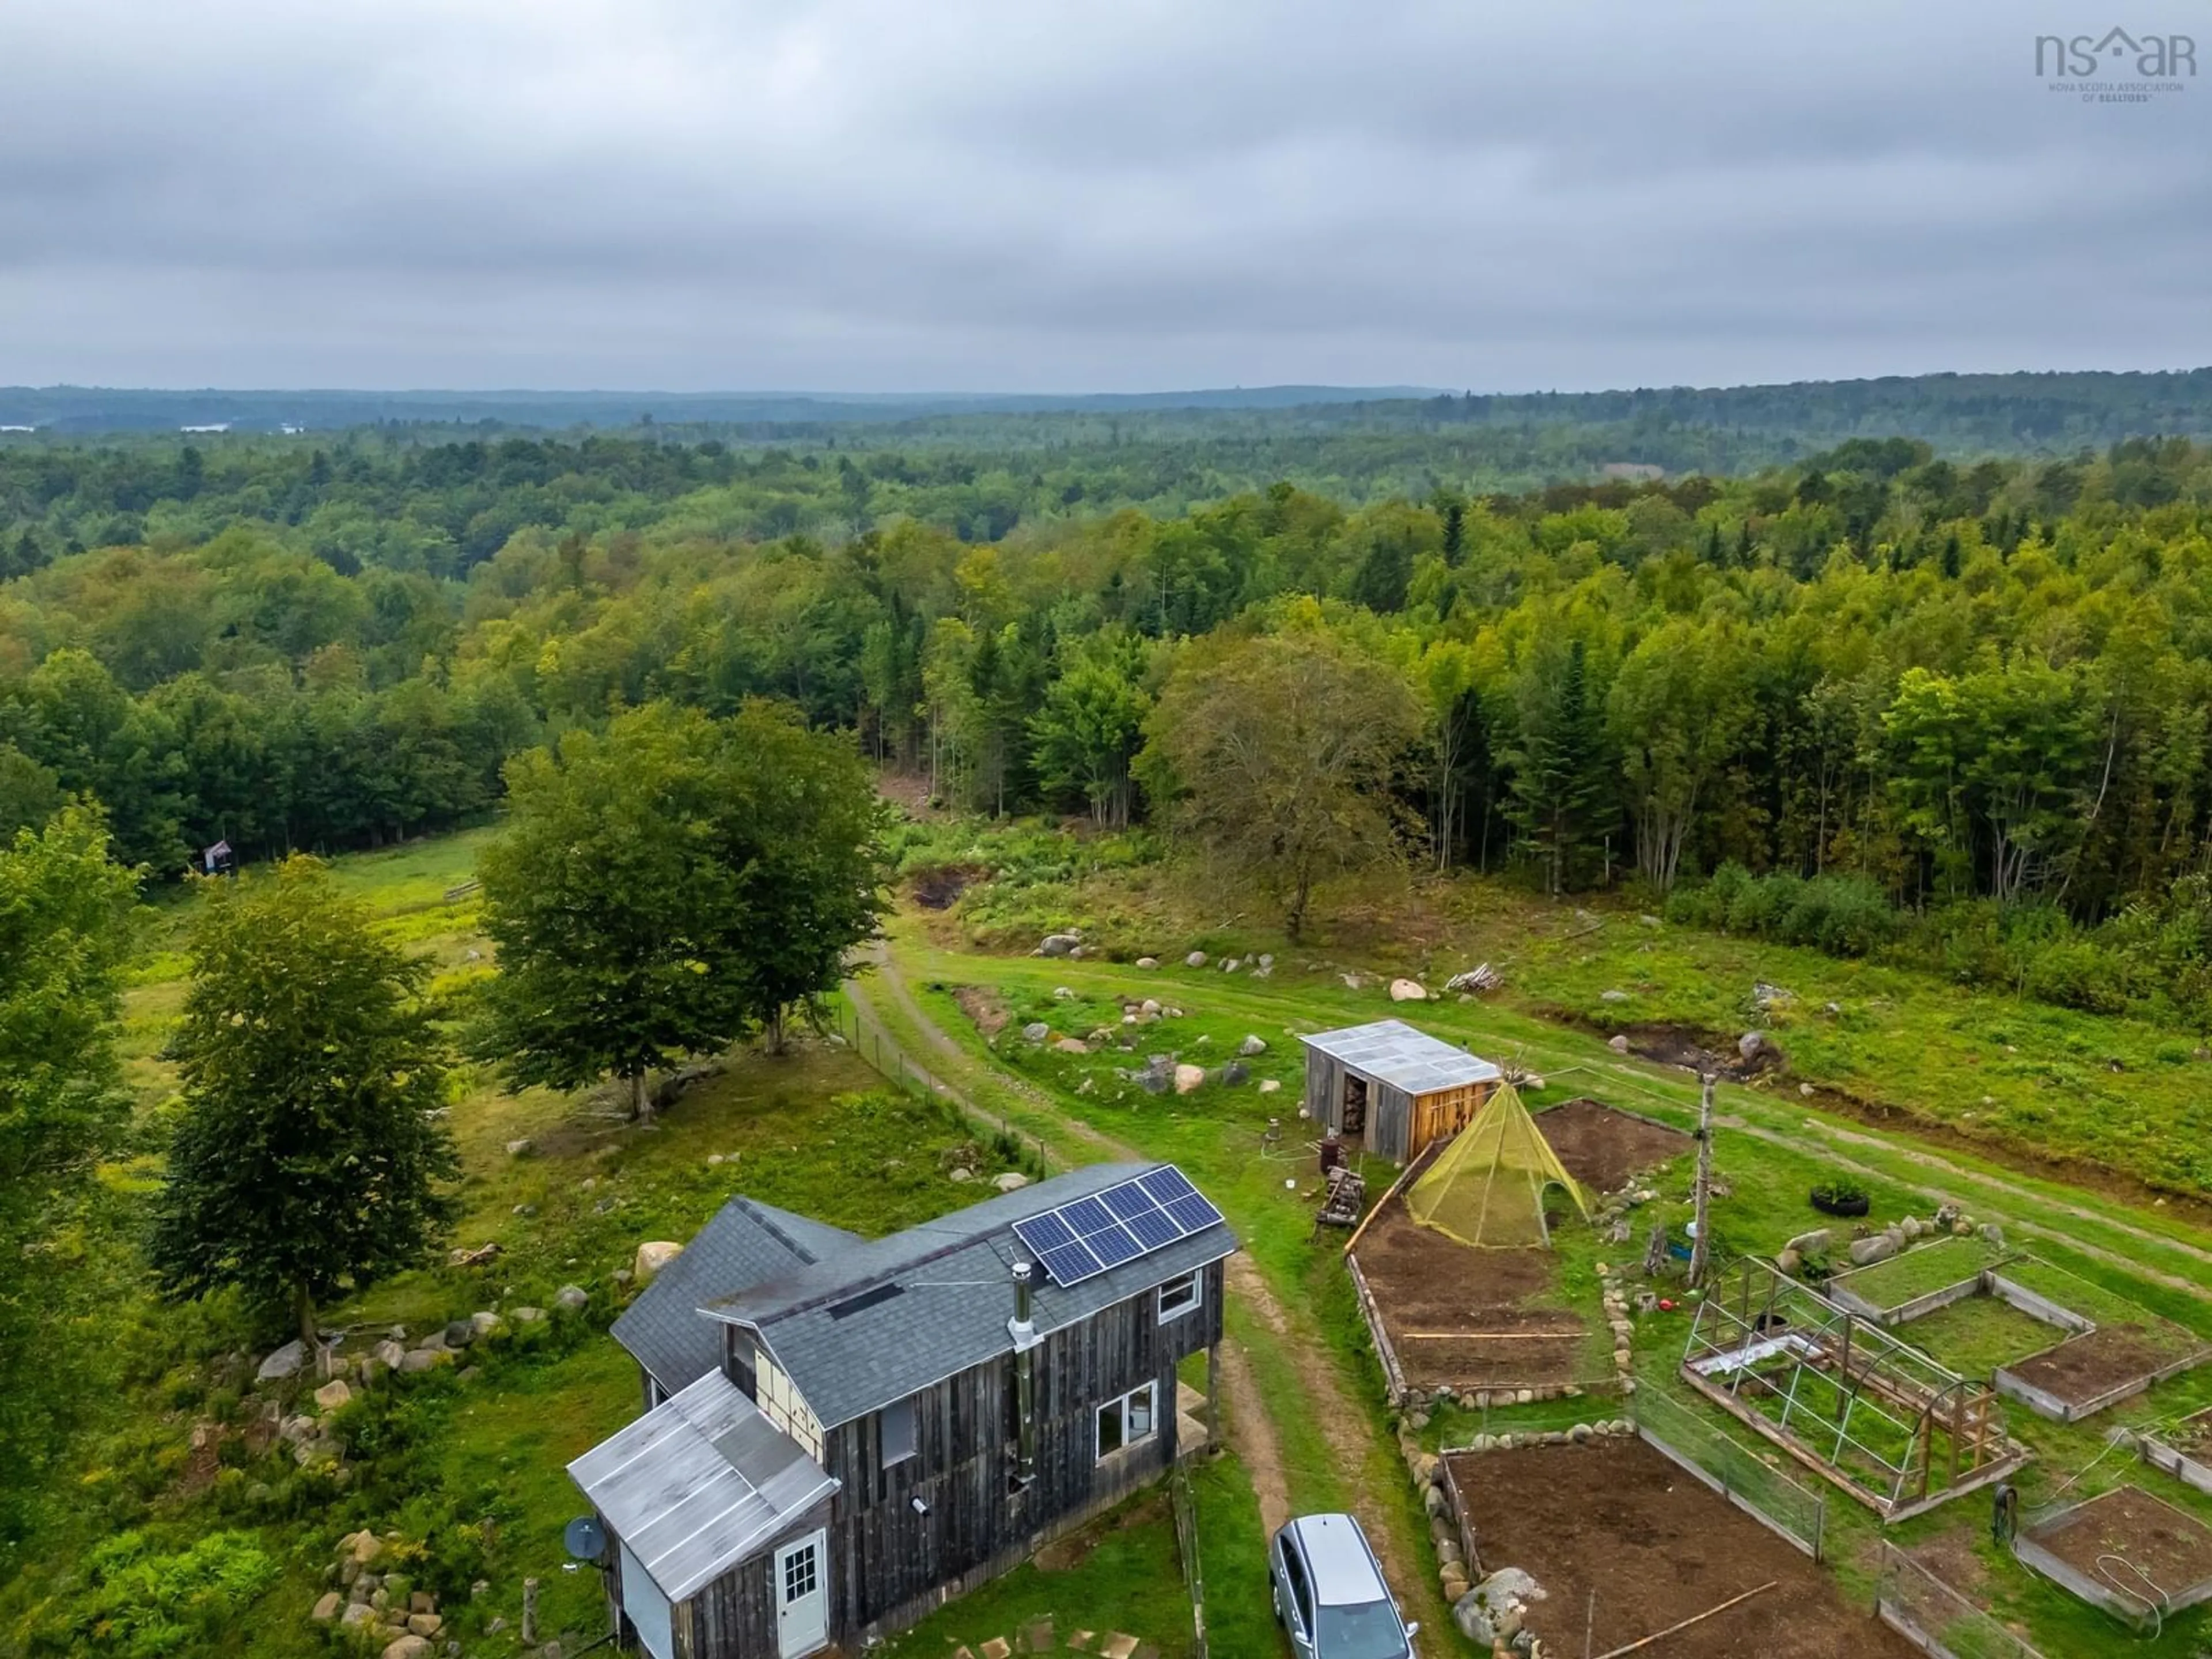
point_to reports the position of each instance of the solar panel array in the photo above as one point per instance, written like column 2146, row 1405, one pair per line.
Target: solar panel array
column 1081, row 1239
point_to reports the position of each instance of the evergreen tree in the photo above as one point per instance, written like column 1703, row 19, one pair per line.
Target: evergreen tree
column 1559, row 794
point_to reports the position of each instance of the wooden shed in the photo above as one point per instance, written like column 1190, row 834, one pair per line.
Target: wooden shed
column 1392, row 1088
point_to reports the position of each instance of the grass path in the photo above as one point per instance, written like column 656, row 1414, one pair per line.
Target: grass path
column 1284, row 1386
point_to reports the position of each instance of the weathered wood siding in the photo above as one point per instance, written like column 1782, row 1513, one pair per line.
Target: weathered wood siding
column 1395, row 1128
column 891, row 1564
column 734, row 1617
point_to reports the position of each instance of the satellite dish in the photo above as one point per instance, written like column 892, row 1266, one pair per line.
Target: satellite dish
column 586, row 1539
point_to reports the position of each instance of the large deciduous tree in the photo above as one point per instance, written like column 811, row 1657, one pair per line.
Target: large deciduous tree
column 1275, row 753
column 666, row 889
column 308, row 1160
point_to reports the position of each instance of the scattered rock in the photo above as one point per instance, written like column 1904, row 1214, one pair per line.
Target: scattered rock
column 1880, row 1246
column 1235, row 1073
column 1187, row 1078
column 1789, row 1262
column 328, row 1608
column 1268, row 1085
column 1195, row 959
column 1618, row 1044
column 1490, row 1614
column 1150, row 1006
column 424, row 1624
column 1231, row 966
column 522, row 1148
column 284, row 1363
column 1251, row 1045
column 1911, row 1227
column 424, row 1359
column 1062, row 994
column 1764, row 996
column 1073, row 1046
column 1816, row 1243
column 573, row 1298
column 409, row 1646
column 1353, row 982
column 1036, row 1031
column 1406, row 990
column 1059, row 944
column 1992, row 1235
column 527, row 1315
column 356, row 1614
column 422, row 1602
column 1012, row 1181
column 962, row 1174
column 333, row 1395
column 1148, row 961
column 1612, row 996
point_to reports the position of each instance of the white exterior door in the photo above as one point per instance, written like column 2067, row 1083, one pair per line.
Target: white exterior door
column 802, row 1596
column 647, row 1609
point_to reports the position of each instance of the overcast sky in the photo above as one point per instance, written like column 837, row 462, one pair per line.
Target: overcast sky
column 1071, row 194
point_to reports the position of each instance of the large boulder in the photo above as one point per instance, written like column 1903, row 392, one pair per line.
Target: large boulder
column 283, row 1364
column 418, row 1360
column 328, row 1608
column 1148, row 961
column 653, row 1256
column 1406, row 990
column 1815, row 1243
column 1059, row 944
column 333, row 1395
column 1195, row 959
column 409, row 1646
column 1490, row 1614
column 1012, row 1181
column 1757, row 1049
column 1878, row 1247
column 458, row 1333
column 572, row 1298
column 1189, row 1077
column 388, row 1354
column 1036, row 1031
column 1251, row 1045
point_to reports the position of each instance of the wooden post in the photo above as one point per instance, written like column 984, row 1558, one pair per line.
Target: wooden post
column 1213, row 1440
column 528, row 1610
column 1699, row 1246
column 1843, row 1373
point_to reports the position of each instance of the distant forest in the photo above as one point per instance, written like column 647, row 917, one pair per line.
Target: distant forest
column 1818, row 698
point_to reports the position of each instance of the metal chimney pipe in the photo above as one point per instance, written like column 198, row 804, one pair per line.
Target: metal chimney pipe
column 1023, row 1329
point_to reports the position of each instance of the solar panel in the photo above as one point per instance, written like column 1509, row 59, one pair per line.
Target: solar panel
column 1084, row 1238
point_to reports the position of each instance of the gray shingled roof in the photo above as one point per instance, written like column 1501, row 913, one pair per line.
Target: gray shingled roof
column 698, row 1483
column 1390, row 1051
column 952, row 1296
column 747, row 1243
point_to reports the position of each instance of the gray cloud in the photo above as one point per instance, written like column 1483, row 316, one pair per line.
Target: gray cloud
column 876, row 194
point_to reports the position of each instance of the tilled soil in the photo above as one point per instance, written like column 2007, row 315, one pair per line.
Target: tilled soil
column 2174, row 1550
column 1625, row 1545
column 1602, row 1148
column 2084, row 1367
column 1473, row 1318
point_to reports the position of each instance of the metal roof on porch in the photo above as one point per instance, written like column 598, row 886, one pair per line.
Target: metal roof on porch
column 699, row 1483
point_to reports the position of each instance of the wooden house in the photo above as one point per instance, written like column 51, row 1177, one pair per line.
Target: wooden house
column 855, row 1431
column 1392, row 1089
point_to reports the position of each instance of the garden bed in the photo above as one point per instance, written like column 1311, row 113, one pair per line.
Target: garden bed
column 1604, row 1148
column 2086, row 1374
column 1477, row 1321
column 1918, row 1281
column 2134, row 1555
column 2183, row 1449
column 1626, row 1544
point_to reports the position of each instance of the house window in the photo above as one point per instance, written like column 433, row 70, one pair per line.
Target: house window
column 1178, row 1296
column 896, row 1424
column 1126, row 1421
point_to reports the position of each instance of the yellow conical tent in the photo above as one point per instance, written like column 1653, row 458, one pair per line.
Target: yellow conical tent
column 1486, row 1188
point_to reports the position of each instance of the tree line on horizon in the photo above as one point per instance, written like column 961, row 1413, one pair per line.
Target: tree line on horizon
column 1946, row 686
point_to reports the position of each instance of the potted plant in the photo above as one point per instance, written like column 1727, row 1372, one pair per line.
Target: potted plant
column 1841, row 1196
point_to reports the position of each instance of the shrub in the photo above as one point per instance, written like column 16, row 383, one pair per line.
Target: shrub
column 142, row 1604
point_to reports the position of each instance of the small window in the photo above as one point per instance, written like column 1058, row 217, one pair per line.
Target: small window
column 1179, row 1296
column 896, row 1424
column 1126, row 1421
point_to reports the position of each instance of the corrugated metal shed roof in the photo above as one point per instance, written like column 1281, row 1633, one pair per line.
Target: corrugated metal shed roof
column 880, row 1321
column 698, row 1484
column 745, row 1244
column 1390, row 1051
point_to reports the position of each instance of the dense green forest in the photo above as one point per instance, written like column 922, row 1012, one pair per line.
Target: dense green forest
column 1897, row 702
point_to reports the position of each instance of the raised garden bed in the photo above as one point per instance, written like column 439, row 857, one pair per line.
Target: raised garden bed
column 2183, row 1449
column 2084, row 1374
column 2135, row 1555
column 1915, row 1283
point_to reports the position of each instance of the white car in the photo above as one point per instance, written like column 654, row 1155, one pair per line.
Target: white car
column 1330, row 1593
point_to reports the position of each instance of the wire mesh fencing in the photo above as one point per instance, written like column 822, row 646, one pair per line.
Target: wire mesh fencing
column 1737, row 1471
column 1936, row 1617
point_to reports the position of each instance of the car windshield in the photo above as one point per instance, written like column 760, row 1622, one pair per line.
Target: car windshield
column 1368, row 1629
